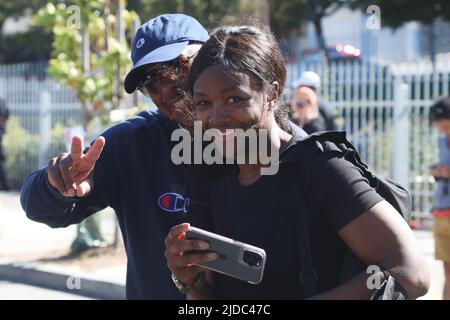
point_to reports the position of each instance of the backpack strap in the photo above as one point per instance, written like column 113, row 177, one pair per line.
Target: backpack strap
column 293, row 200
column 307, row 275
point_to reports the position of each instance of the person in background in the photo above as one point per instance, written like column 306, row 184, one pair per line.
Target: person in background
column 440, row 118
column 129, row 167
column 310, row 79
column 305, row 111
column 4, row 115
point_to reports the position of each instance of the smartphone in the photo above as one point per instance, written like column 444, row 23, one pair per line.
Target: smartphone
column 235, row 259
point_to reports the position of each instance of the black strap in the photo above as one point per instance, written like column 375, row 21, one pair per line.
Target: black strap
column 307, row 275
column 295, row 203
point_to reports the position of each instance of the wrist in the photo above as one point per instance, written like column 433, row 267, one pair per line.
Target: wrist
column 199, row 284
column 52, row 191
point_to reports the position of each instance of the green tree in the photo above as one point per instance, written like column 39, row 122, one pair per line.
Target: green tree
column 90, row 53
column 394, row 13
column 18, row 8
column 33, row 44
column 209, row 13
column 287, row 17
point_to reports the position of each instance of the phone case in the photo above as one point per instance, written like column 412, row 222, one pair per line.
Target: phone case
column 236, row 259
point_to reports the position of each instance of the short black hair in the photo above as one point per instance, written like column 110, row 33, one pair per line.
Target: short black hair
column 440, row 110
column 249, row 49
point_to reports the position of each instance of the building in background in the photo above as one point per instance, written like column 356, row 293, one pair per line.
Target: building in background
column 349, row 27
column 409, row 42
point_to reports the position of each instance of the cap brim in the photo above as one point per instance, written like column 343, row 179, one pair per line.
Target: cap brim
column 161, row 54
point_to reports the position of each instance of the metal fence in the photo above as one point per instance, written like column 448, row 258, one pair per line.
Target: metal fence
column 40, row 109
column 384, row 109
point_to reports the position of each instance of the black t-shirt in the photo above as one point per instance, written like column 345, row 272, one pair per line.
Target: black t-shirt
column 315, row 125
column 335, row 193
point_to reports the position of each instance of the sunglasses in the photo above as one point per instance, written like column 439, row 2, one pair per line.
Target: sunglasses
column 170, row 69
column 300, row 104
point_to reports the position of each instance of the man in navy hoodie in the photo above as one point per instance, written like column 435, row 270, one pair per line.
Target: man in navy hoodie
column 129, row 167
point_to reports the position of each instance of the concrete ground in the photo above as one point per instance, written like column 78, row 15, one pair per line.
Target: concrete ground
column 426, row 242
column 17, row 291
column 30, row 254
column 23, row 242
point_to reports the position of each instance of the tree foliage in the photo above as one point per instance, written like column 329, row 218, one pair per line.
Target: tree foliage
column 394, row 13
column 209, row 13
column 95, row 88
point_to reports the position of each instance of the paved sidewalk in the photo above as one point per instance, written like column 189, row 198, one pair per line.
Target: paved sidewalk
column 17, row 291
column 24, row 244
column 426, row 243
column 30, row 253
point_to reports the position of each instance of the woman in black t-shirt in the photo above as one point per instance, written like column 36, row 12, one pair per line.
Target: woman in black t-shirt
column 236, row 81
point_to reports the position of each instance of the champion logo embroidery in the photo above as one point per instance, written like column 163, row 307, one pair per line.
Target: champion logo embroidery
column 140, row 43
column 173, row 202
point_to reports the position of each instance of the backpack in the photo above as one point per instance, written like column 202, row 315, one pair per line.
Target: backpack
column 336, row 143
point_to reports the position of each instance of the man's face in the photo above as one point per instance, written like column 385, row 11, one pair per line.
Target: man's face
column 304, row 104
column 165, row 84
column 443, row 126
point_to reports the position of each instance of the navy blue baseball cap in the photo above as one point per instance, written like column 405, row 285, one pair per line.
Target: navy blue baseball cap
column 162, row 39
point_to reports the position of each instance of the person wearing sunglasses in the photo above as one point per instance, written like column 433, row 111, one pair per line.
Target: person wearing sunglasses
column 305, row 110
column 129, row 167
column 165, row 82
column 311, row 80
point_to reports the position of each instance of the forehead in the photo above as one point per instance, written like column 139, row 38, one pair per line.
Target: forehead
column 220, row 77
column 303, row 93
column 442, row 122
column 305, row 90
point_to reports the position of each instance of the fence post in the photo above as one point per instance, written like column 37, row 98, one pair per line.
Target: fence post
column 401, row 132
column 2, row 88
column 45, row 126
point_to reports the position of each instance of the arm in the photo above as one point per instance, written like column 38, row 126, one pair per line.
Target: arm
column 381, row 236
column 373, row 230
column 43, row 203
column 60, row 194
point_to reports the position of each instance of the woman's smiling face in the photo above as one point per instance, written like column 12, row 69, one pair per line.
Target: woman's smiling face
column 225, row 99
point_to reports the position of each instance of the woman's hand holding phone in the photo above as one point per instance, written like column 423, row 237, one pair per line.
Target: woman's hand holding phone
column 183, row 256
